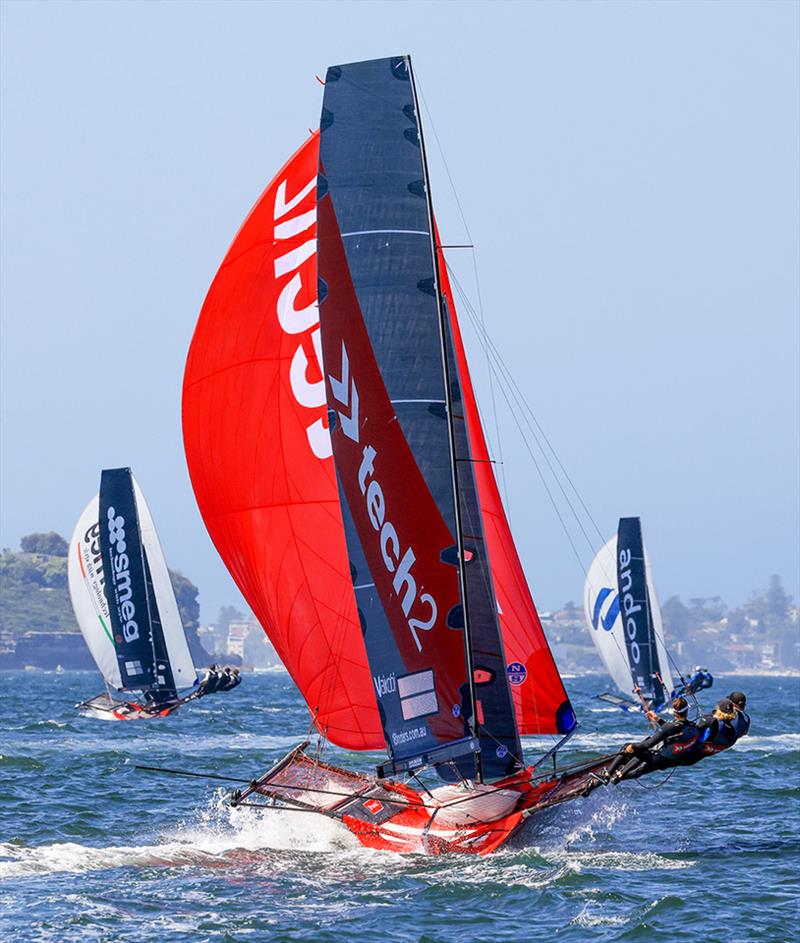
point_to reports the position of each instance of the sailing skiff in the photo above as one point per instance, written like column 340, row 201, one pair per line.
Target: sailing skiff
column 355, row 504
column 125, row 606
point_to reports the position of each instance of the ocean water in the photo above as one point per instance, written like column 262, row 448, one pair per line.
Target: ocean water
column 92, row 849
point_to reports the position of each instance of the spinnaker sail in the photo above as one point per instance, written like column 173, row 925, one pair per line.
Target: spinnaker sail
column 259, row 453
column 624, row 618
column 86, row 580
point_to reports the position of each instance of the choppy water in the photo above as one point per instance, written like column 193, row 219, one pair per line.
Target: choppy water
column 93, row 850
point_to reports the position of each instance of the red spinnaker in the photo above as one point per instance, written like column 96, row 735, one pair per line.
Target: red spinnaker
column 259, row 453
column 259, row 456
column 537, row 689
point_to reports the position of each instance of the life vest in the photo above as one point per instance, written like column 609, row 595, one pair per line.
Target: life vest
column 741, row 723
column 682, row 741
column 718, row 737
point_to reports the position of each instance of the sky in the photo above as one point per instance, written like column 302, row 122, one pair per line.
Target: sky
column 628, row 173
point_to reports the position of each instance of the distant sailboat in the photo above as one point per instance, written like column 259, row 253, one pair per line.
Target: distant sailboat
column 125, row 605
column 624, row 621
column 356, row 508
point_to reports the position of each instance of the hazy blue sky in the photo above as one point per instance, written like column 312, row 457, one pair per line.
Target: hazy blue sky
column 629, row 174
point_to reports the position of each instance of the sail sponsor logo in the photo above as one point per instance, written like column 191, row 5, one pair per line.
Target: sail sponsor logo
column 608, row 620
column 629, row 607
column 92, row 555
column 403, row 582
column 399, row 564
column 120, row 575
column 401, row 737
column 384, row 684
column 517, row 673
column 298, row 270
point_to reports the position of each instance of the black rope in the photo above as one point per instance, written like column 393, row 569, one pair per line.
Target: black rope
column 184, row 772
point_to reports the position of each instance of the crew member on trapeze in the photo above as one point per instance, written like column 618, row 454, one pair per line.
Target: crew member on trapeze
column 679, row 742
column 742, row 720
column 219, row 679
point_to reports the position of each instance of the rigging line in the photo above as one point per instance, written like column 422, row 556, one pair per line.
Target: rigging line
column 482, row 320
column 505, row 375
column 518, row 394
column 488, row 344
column 544, row 481
column 477, row 286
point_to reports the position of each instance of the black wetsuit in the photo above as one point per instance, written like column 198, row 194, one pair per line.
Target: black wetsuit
column 210, row 683
column 675, row 743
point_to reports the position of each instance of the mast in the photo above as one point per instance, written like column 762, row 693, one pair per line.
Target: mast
column 473, row 721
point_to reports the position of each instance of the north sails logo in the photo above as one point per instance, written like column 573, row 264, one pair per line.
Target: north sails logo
column 346, row 394
column 120, row 575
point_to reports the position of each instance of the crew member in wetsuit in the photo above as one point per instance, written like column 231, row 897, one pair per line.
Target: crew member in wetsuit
column 673, row 744
column 741, row 720
column 226, row 680
column 210, row 682
column 719, row 730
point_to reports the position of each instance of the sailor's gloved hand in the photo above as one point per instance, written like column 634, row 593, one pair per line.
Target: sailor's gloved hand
column 629, row 748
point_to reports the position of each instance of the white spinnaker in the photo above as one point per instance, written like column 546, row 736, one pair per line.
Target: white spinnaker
column 658, row 627
column 85, row 578
column 601, row 583
column 183, row 670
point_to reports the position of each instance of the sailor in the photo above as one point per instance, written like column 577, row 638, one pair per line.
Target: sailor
column 210, row 682
column 741, row 719
column 675, row 743
column 719, row 731
column 230, row 678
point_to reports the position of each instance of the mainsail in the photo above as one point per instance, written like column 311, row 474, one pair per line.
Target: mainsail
column 414, row 532
column 122, row 595
column 623, row 615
